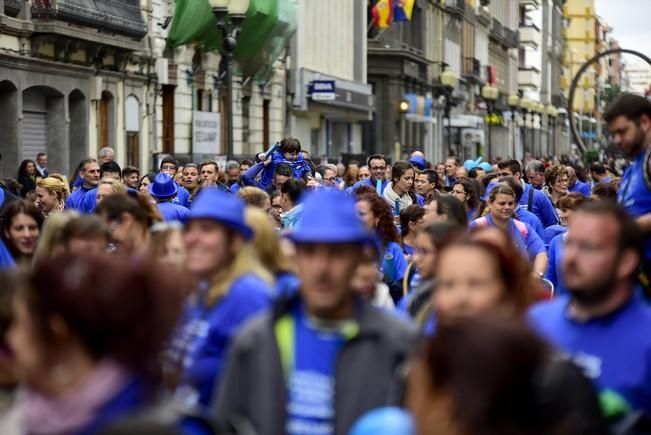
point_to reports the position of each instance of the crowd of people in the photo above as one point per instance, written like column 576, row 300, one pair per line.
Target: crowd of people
column 276, row 296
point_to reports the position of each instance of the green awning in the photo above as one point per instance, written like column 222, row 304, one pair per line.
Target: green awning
column 194, row 23
column 261, row 66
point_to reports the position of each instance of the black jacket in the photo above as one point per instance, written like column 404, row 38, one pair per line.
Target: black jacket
column 369, row 371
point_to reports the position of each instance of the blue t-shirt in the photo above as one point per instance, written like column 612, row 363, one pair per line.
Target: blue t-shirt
column 634, row 195
column 553, row 231
column 555, row 270
column 541, row 206
column 6, row 259
column 399, row 261
column 311, row 378
column 529, row 218
column 613, row 350
column 582, row 188
column 75, row 199
column 367, row 182
column 206, row 332
column 530, row 244
column 173, row 212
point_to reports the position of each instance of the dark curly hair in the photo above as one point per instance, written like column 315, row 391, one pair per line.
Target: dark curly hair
column 385, row 227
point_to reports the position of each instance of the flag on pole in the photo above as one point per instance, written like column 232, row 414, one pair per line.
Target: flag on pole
column 402, row 10
column 382, row 13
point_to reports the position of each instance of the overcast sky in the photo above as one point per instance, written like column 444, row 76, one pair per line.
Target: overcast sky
column 630, row 22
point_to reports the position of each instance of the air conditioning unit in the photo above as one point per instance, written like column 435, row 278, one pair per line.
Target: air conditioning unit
column 162, row 70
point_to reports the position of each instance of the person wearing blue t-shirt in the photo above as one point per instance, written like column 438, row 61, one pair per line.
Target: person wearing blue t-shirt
column 601, row 324
column 233, row 286
column 164, row 190
column 521, row 213
column 576, row 185
column 90, row 173
column 288, row 151
column 532, row 200
column 555, row 271
column 323, row 358
column 377, row 164
column 629, row 122
column 108, row 170
column 501, row 203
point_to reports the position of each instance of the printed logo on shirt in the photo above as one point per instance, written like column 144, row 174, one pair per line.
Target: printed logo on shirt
column 590, row 364
column 310, row 409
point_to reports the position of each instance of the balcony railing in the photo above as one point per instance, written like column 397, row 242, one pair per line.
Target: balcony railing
column 529, row 35
column 529, row 77
column 512, row 38
column 472, row 68
column 12, row 7
column 497, row 31
column 484, row 16
column 456, row 7
column 114, row 16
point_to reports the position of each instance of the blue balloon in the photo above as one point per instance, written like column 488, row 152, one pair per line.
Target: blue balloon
column 384, row 421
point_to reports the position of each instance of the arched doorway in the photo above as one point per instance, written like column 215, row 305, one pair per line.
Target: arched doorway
column 43, row 126
column 78, row 127
column 10, row 152
column 106, row 136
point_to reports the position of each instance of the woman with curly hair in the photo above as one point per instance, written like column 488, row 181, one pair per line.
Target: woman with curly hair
column 556, row 183
column 51, row 195
column 376, row 213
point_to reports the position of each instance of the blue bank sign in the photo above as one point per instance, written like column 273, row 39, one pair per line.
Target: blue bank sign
column 322, row 90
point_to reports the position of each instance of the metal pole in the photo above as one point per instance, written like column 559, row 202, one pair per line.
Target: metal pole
column 229, row 104
column 489, row 152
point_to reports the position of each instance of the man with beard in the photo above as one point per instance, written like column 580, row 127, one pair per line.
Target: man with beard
column 629, row 124
column 602, row 325
column 324, row 357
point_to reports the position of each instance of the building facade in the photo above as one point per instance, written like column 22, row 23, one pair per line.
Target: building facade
column 329, row 99
column 73, row 79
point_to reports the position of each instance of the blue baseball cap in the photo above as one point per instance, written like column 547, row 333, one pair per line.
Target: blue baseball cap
column 330, row 216
column 213, row 203
column 419, row 162
column 163, row 186
column 381, row 421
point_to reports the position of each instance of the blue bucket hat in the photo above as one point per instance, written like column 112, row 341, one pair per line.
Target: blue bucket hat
column 419, row 162
column 486, row 167
column 329, row 216
column 163, row 186
column 212, row 203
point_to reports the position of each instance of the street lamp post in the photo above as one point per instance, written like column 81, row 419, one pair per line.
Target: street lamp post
column 449, row 82
column 552, row 112
column 540, row 108
column 525, row 104
column 490, row 94
column 229, row 14
column 514, row 102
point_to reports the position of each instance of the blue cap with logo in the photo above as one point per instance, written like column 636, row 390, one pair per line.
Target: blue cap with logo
column 329, row 216
column 213, row 203
column 163, row 186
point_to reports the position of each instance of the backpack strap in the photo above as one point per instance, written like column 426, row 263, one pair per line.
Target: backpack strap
column 530, row 200
column 522, row 228
column 646, row 170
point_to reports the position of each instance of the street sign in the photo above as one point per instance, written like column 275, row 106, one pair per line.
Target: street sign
column 322, row 90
